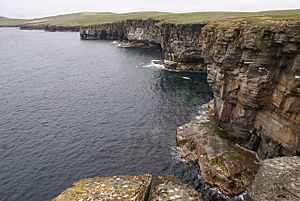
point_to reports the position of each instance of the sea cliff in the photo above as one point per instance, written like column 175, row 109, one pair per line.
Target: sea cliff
column 50, row 28
column 253, row 69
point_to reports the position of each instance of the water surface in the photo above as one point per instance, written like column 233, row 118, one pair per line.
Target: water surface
column 72, row 109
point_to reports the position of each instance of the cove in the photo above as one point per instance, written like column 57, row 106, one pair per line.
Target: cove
column 74, row 109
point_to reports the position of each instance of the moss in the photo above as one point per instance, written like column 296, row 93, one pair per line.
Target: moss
column 213, row 127
column 219, row 164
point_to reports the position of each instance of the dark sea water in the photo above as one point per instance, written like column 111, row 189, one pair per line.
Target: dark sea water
column 72, row 109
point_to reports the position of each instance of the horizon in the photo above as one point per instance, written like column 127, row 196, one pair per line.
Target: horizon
column 217, row 11
column 21, row 9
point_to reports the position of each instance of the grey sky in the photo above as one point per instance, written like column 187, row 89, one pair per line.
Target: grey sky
column 40, row 8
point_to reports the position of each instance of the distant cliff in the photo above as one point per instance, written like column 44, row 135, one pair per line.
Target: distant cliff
column 253, row 68
column 181, row 43
column 50, row 28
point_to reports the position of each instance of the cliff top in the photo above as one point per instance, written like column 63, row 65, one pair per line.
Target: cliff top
column 93, row 18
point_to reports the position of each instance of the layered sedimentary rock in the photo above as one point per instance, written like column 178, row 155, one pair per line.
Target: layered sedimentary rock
column 254, row 72
column 134, row 30
column 278, row 179
column 171, row 188
column 253, row 69
column 222, row 163
column 181, row 43
column 51, row 28
column 110, row 188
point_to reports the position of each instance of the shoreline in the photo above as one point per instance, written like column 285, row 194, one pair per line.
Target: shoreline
column 219, row 52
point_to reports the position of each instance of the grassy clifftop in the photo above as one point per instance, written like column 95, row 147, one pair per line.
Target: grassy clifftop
column 90, row 18
column 11, row 22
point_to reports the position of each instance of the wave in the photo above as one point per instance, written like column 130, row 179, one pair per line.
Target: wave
column 202, row 113
column 155, row 64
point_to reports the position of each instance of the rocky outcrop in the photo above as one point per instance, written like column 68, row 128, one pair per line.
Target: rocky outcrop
column 50, row 28
column 222, row 163
column 278, row 179
column 129, row 188
column 180, row 43
column 146, row 31
column 110, row 188
column 254, row 70
column 171, row 188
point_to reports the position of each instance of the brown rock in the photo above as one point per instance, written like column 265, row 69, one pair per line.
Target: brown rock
column 109, row 188
column 222, row 163
column 253, row 70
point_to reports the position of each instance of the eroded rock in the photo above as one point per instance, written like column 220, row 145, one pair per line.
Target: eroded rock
column 184, row 66
column 180, row 43
column 277, row 180
column 252, row 68
column 222, row 163
column 109, row 188
column 172, row 189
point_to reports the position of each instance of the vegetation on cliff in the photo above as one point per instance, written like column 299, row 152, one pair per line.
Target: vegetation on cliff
column 91, row 18
column 11, row 22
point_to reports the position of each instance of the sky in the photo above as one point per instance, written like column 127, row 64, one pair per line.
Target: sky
column 41, row 8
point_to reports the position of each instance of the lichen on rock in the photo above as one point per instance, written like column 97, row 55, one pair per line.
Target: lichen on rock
column 172, row 189
column 277, row 179
column 222, row 163
column 108, row 188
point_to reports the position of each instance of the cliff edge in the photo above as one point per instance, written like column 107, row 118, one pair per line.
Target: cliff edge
column 253, row 69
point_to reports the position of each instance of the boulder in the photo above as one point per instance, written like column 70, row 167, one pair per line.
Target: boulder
column 109, row 188
column 170, row 188
column 222, row 163
column 277, row 180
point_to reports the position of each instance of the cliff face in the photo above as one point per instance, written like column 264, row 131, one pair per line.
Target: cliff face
column 51, row 28
column 134, row 30
column 181, row 44
column 253, row 68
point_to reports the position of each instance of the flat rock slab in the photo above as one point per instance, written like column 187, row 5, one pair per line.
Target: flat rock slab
column 277, row 180
column 110, row 188
column 223, row 164
column 169, row 188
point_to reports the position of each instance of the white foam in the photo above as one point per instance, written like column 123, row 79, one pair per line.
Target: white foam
column 155, row 64
column 186, row 78
column 202, row 116
column 176, row 155
column 115, row 42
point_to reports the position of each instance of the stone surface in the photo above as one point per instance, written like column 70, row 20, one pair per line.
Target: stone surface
column 169, row 188
column 277, row 180
column 181, row 43
column 184, row 67
column 253, row 70
column 110, row 188
column 222, row 163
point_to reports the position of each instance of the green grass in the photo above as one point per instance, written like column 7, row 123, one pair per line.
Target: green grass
column 93, row 18
column 283, row 14
column 10, row 22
